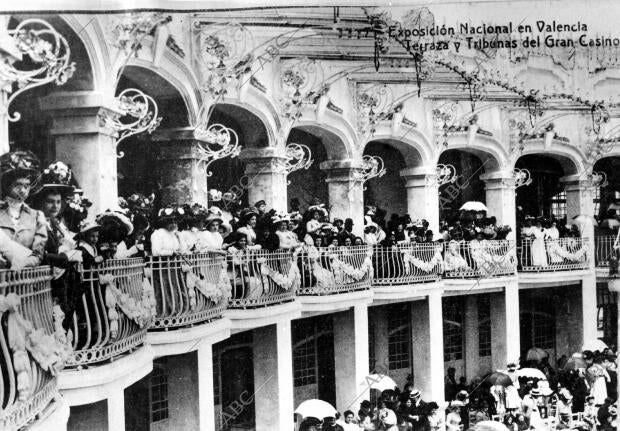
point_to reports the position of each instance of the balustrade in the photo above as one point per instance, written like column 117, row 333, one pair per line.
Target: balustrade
column 564, row 254
column 259, row 277
column 330, row 270
column 113, row 313
column 479, row 259
column 189, row 289
column 408, row 264
column 604, row 249
column 33, row 345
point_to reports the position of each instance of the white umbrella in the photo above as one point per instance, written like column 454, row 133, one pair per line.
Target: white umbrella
column 380, row 382
column 315, row 409
column 490, row 426
column 536, row 354
column 474, row 206
column 533, row 373
column 594, row 345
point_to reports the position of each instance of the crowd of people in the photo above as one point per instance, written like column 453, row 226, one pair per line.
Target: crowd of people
column 579, row 393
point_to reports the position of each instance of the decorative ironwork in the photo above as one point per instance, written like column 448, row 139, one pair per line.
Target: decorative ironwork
column 223, row 56
column 372, row 167
column 216, row 142
column 48, row 56
column 374, row 103
column 522, row 177
column 444, row 117
column 600, row 143
column 599, row 179
column 298, row 156
column 301, row 82
column 131, row 29
column 138, row 113
column 446, row 174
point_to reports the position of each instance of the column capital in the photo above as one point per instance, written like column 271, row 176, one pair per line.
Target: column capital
column 341, row 170
column 177, row 143
column 79, row 112
column 419, row 177
column 174, row 134
column 499, row 180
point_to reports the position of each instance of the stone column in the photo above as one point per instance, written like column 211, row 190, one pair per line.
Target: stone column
column 505, row 326
column 500, row 199
column 116, row 411
column 206, row 407
column 472, row 365
column 265, row 178
column 382, row 364
column 346, row 193
column 273, row 377
column 427, row 343
column 589, row 307
column 422, row 195
column 182, row 175
column 351, row 357
column 84, row 142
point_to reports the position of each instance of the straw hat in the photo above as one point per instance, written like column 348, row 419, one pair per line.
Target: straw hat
column 57, row 177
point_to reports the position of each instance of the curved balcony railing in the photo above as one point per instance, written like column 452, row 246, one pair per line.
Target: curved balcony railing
column 115, row 310
column 564, row 254
column 259, row 278
column 189, row 289
column 330, row 270
column 33, row 346
column 479, row 259
column 408, row 264
column 604, row 249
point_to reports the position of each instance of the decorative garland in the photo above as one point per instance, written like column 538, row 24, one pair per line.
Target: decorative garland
column 47, row 350
column 426, row 266
column 342, row 268
column 488, row 262
column 288, row 281
column 140, row 312
column 555, row 249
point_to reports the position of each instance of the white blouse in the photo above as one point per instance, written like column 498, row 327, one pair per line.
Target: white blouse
column 189, row 239
column 249, row 233
column 207, row 241
column 165, row 243
column 287, row 239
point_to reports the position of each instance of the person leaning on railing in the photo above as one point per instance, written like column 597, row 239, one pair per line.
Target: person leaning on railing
column 25, row 228
column 165, row 241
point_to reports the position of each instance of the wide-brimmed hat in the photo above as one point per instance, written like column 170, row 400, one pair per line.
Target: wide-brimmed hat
column 18, row 163
column 85, row 227
column 213, row 217
column 535, row 392
column 320, row 208
column 415, row 393
column 227, row 229
column 247, row 213
column 279, row 218
column 543, row 388
column 116, row 217
column 170, row 214
column 57, row 176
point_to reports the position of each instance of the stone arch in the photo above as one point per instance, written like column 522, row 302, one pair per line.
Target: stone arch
column 249, row 123
column 569, row 158
column 177, row 76
column 488, row 149
column 337, row 144
column 415, row 153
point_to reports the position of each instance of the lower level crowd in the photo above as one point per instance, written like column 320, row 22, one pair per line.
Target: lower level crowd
column 579, row 393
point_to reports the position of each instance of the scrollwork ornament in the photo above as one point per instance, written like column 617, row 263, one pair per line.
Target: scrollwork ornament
column 446, row 174
column 297, row 157
column 48, row 55
column 522, row 177
column 300, row 82
column 372, row 167
column 138, row 113
column 216, row 142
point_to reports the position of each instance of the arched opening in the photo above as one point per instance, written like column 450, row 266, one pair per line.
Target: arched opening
column 469, row 187
column 545, row 196
column 32, row 131
column 388, row 192
column 306, row 185
column 140, row 151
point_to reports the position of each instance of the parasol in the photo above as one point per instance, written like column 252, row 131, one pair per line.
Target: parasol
column 532, row 373
column 575, row 362
column 380, row 382
column 474, row 206
column 594, row 346
column 536, row 354
column 316, row 409
column 499, row 379
column 490, row 426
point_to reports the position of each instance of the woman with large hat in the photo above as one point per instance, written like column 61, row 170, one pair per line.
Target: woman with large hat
column 165, row 241
column 286, row 238
column 249, row 218
column 210, row 240
column 20, row 223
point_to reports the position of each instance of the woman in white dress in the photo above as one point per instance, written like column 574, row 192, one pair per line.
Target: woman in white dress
column 453, row 260
column 287, row 240
column 248, row 221
column 313, row 224
column 552, row 235
column 165, row 241
column 539, row 251
column 210, row 240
